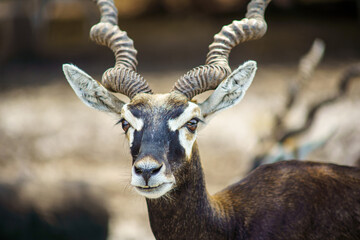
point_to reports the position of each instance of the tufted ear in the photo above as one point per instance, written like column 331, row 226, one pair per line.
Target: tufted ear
column 231, row 90
column 90, row 91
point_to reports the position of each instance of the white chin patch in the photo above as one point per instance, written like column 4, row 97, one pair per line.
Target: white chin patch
column 154, row 192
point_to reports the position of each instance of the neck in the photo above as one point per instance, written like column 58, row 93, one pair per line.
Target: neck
column 188, row 212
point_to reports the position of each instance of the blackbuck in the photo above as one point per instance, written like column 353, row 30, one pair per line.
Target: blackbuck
column 286, row 200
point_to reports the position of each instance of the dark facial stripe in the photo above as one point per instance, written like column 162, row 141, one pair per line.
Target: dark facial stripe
column 159, row 142
column 176, row 151
column 136, row 144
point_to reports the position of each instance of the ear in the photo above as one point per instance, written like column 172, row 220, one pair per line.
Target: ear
column 231, row 90
column 90, row 91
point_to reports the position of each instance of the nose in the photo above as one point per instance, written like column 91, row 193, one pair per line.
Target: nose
column 147, row 170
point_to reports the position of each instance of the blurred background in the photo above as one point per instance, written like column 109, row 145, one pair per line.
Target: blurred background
column 65, row 169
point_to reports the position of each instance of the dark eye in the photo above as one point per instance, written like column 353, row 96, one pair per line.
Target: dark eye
column 125, row 124
column 192, row 125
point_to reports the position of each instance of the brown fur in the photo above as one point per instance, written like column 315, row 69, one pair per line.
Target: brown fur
column 286, row 200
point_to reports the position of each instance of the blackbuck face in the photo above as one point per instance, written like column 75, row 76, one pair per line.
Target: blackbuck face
column 161, row 128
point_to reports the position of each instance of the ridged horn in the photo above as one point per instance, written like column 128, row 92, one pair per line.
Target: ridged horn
column 123, row 77
column 216, row 68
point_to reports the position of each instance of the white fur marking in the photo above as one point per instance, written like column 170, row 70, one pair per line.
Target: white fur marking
column 160, row 182
column 130, row 135
column 148, row 163
column 135, row 122
column 185, row 143
column 190, row 112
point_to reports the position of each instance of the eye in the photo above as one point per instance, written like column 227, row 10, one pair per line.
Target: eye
column 192, row 124
column 124, row 124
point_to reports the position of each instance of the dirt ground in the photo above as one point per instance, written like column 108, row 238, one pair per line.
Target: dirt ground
column 47, row 135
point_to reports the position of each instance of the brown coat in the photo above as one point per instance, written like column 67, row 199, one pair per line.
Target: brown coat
column 285, row 200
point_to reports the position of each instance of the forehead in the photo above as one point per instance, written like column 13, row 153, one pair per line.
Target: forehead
column 169, row 105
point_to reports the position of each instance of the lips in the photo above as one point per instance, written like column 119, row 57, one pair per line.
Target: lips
column 149, row 188
column 154, row 191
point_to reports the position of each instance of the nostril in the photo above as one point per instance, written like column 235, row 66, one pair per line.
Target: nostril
column 156, row 170
column 138, row 170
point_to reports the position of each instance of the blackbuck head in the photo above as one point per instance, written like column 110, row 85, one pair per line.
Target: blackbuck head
column 162, row 128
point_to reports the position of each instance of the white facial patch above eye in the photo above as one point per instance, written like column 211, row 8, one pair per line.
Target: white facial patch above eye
column 190, row 112
column 136, row 123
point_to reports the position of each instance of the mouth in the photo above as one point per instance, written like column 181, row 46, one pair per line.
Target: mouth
column 154, row 191
column 149, row 188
